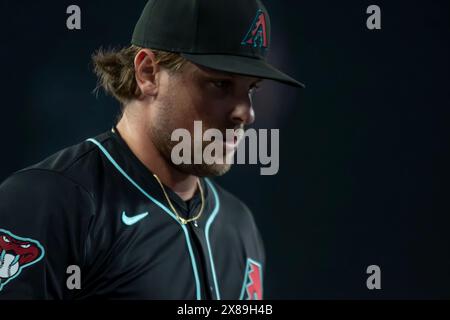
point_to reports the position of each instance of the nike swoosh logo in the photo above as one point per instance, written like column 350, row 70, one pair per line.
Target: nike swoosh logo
column 129, row 221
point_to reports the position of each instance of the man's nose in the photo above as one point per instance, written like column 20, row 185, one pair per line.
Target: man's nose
column 243, row 113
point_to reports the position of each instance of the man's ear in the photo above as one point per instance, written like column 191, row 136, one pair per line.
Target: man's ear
column 146, row 70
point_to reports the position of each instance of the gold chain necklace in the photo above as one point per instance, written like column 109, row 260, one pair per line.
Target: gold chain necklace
column 181, row 219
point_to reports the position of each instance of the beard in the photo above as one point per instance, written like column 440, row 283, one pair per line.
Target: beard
column 161, row 133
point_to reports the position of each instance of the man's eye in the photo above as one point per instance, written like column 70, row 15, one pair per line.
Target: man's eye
column 6, row 239
column 221, row 84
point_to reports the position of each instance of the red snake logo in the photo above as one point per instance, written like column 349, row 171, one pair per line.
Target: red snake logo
column 16, row 253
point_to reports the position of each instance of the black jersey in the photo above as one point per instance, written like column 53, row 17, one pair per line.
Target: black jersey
column 95, row 208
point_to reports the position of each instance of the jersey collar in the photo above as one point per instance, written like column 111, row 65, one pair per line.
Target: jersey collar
column 124, row 156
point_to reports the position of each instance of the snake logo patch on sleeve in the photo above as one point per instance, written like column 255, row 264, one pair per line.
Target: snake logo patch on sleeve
column 16, row 254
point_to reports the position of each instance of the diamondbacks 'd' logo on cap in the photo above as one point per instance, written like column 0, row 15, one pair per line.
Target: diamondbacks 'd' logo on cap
column 257, row 35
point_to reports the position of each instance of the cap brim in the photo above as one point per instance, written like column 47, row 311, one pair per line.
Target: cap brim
column 246, row 66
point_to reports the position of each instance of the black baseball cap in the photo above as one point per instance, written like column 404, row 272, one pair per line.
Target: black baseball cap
column 225, row 35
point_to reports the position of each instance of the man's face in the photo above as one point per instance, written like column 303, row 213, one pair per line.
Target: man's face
column 220, row 100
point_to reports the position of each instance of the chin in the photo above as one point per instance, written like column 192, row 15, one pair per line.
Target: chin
column 218, row 170
column 205, row 170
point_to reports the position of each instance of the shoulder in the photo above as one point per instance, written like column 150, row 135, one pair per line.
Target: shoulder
column 66, row 170
column 52, row 198
column 37, row 183
column 75, row 162
column 38, row 196
column 63, row 182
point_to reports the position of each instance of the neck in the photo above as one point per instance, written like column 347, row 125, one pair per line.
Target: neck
column 135, row 133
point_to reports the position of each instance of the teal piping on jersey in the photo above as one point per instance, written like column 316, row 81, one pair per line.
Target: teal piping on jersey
column 159, row 204
column 247, row 270
column 208, row 226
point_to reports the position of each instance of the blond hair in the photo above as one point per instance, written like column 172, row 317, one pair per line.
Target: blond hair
column 115, row 70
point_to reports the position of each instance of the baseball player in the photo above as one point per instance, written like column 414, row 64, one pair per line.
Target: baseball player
column 115, row 210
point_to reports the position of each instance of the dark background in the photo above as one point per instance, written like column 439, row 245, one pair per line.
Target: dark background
column 364, row 155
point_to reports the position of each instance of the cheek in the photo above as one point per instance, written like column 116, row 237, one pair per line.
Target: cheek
column 188, row 102
column 187, row 106
column 212, row 111
column 173, row 111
